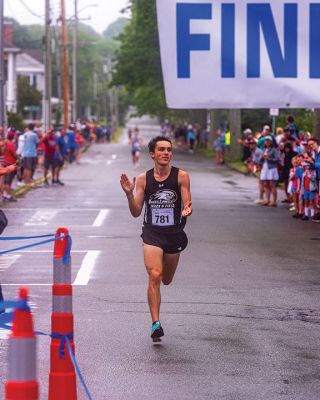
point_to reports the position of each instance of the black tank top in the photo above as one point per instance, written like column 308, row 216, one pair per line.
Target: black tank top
column 163, row 203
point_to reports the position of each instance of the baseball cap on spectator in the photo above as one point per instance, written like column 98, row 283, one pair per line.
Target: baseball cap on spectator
column 247, row 131
column 268, row 138
column 266, row 128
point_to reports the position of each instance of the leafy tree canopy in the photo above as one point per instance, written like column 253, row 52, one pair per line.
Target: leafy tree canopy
column 115, row 28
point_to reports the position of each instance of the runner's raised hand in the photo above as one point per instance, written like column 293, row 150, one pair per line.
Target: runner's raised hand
column 126, row 184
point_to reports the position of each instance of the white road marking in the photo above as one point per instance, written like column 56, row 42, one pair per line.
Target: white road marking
column 83, row 275
column 109, row 162
column 6, row 260
column 86, row 268
column 100, row 218
column 114, row 156
column 98, row 236
column 4, row 334
column 41, row 218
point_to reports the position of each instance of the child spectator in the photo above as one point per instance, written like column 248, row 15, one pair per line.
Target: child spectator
column 313, row 144
column 295, row 177
column 287, row 154
column 308, row 190
column 246, row 155
column 269, row 173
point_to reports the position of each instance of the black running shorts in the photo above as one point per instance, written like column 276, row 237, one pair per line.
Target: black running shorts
column 170, row 243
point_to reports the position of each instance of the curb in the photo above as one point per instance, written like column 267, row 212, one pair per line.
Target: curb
column 25, row 189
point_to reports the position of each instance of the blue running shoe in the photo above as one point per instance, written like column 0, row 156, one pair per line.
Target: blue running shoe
column 156, row 331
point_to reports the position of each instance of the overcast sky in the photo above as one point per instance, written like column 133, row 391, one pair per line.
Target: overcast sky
column 32, row 11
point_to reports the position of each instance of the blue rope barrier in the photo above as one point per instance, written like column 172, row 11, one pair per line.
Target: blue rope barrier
column 25, row 237
column 77, row 369
column 65, row 257
column 67, row 254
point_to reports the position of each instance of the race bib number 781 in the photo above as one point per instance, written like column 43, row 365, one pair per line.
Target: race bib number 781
column 162, row 216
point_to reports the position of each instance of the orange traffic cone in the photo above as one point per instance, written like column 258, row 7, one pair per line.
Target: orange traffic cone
column 21, row 381
column 62, row 378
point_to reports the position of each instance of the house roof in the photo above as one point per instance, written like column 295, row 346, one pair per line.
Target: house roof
column 28, row 64
column 37, row 54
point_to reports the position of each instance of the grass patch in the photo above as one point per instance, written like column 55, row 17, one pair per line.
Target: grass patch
column 206, row 152
column 238, row 165
column 117, row 134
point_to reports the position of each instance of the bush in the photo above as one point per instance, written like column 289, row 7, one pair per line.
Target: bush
column 15, row 120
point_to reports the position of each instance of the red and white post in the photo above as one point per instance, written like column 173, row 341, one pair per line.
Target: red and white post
column 21, row 381
column 62, row 377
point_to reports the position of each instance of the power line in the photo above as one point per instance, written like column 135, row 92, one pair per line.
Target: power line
column 29, row 10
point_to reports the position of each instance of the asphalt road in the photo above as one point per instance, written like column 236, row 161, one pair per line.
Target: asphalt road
column 241, row 317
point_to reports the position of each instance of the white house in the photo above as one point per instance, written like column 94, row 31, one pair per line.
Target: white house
column 10, row 58
column 29, row 64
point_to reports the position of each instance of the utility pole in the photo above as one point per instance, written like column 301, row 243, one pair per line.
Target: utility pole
column 2, row 77
column 74, row 64
column 105, row 88
column 65, row 73
column 47, row 95
column 116, row 106
column 57, row 49
column 235, row 129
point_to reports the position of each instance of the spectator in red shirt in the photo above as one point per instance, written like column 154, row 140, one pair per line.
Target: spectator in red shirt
column 41, row 149
column 9, row 158
column 50, row 147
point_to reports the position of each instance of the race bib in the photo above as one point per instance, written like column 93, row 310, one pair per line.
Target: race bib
column 162, row 216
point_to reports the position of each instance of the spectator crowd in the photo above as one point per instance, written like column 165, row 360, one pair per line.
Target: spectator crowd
column 289, row 157
column 24, row 153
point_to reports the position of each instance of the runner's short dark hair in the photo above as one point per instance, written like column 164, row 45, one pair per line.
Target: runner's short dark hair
column 153, row 142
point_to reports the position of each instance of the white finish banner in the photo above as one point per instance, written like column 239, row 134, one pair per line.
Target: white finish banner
column 240, row 53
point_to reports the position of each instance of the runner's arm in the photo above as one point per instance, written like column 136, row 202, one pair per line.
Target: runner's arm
column 135, row 202
column 184, row 182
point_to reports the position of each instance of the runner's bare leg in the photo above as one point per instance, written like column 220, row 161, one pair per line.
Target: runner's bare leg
column 153, row 259
column 170, row 263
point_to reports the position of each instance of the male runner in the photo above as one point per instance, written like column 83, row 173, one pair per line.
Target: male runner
column 165, row 190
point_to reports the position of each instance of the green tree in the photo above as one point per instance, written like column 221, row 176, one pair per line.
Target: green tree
column 28, row 95
column 15, row 120
column 115, row 28
column 138, row 66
